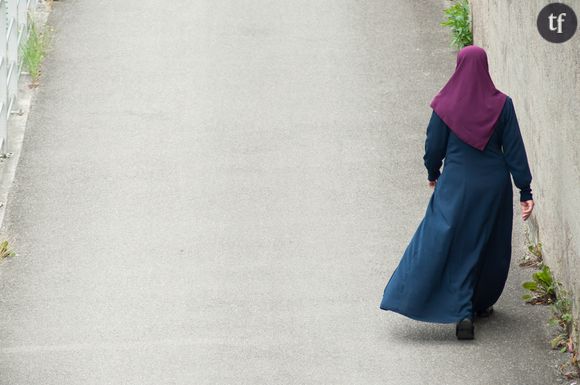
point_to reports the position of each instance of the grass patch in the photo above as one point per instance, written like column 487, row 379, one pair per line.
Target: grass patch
column 34, row 51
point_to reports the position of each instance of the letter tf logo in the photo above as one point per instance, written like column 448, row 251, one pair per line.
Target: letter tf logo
column 560, row 20
column 557, row 22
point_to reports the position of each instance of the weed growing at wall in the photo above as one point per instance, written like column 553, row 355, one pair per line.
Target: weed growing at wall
column 542, row 287
column 458, row 19
column 562, row 318
column 546, row 290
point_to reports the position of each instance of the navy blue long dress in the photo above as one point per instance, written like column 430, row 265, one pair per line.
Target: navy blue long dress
column 458, row 259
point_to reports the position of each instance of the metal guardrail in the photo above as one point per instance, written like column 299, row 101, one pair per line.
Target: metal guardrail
column 14, row 21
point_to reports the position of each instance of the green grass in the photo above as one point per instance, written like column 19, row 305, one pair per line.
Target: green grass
column 33, row 51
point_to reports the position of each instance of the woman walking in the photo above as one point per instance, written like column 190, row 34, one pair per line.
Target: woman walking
column 457, row 262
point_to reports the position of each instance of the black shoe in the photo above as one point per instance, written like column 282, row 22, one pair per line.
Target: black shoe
column 464, row 329
column 485, row 312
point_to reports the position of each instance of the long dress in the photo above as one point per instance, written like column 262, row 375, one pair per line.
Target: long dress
column 458, row 260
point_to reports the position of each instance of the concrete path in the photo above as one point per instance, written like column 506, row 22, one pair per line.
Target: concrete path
column 216, row 192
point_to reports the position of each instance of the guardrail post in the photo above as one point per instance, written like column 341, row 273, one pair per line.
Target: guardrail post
column 12, row 7
column 3, row 77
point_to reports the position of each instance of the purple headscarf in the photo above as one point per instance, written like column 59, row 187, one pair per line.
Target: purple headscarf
column 469, row 103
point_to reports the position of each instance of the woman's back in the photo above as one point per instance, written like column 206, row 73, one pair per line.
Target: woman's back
column 487, row 169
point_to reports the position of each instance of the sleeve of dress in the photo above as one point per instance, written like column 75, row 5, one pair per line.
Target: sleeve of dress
column 435, row 146
column 515, row 153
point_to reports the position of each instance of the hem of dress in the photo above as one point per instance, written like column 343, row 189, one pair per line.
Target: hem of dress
column 423, row 319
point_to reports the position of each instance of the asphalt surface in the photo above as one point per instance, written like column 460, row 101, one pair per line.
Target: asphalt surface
column 216, row 192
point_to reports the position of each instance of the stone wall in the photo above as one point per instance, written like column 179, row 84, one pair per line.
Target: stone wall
column 544, row 81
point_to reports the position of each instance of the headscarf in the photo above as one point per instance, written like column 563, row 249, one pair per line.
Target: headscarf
column 469, row 103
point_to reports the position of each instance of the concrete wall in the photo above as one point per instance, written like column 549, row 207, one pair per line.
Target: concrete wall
column 544, row 81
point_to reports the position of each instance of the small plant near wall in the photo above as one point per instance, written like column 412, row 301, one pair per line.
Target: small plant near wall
column 534, row 255
column 458, row 18
column 542, row 287
column 564, row 340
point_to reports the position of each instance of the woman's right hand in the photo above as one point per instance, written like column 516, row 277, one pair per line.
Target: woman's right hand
column 527, row 208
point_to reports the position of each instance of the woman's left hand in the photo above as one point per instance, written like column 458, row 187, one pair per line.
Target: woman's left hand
column 527, row 208
column 432, row 184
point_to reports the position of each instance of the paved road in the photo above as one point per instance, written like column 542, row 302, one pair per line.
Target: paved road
column 215, row 192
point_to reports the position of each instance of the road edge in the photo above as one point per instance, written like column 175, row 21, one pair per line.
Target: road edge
column 18, row 119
